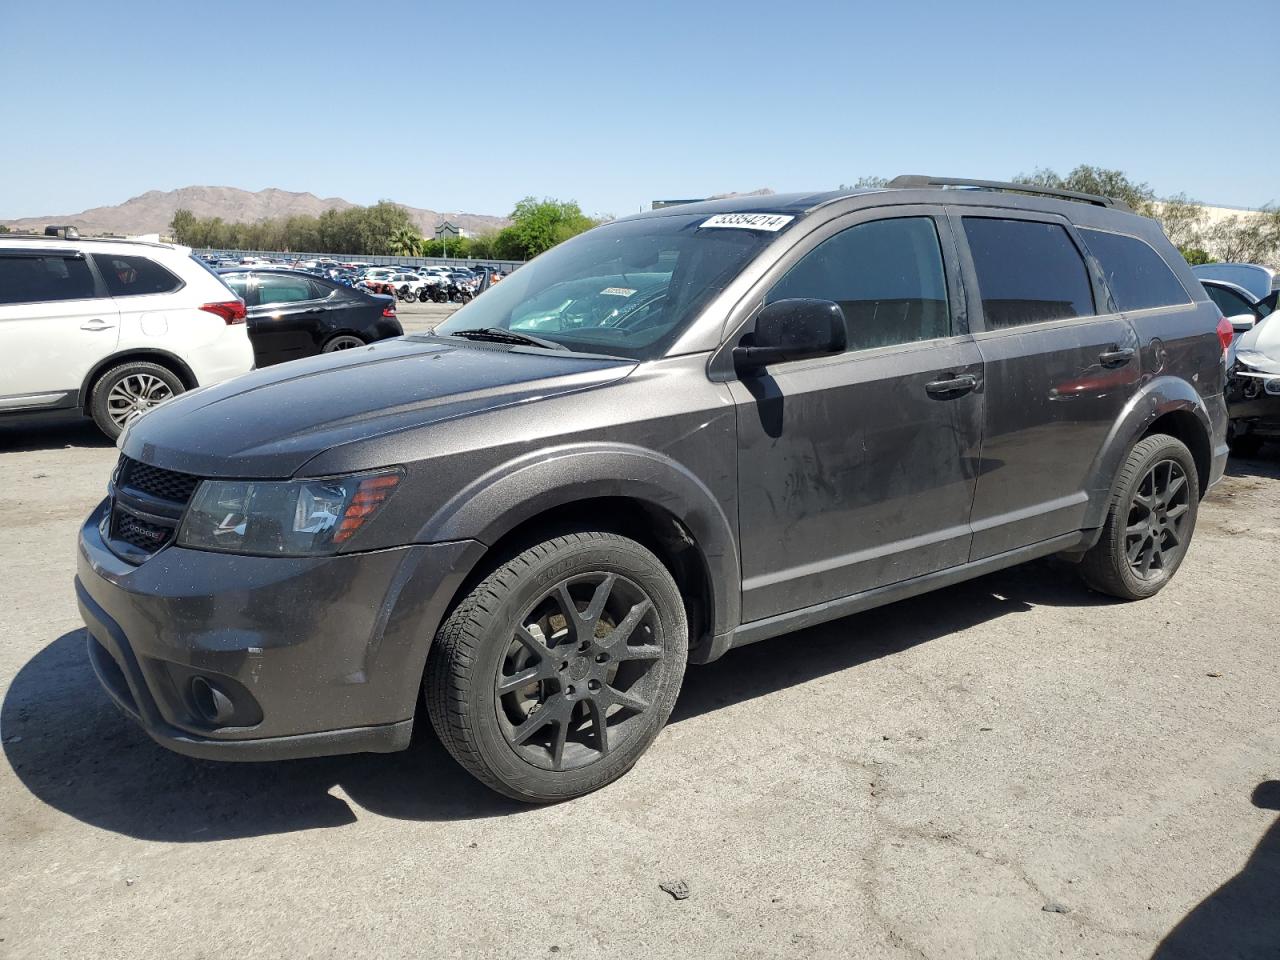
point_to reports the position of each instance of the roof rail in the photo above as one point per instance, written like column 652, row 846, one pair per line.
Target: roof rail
column 917, row 180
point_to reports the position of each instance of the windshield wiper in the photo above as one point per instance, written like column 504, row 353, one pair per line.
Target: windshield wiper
column 498, row 335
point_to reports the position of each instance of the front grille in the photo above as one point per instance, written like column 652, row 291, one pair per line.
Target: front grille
column 165, row 484
column 139, row 533
column 146, row 508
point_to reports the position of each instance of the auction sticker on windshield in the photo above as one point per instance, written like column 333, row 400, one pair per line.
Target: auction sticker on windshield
column 772, row 222
column 617, row 292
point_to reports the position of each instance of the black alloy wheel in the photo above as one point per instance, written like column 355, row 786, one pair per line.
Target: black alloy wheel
column 1154, row 534
column 578, row 671
column 1149, row 523
column 557, row 670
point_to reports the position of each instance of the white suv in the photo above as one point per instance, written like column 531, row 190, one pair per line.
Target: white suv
column 110, row 328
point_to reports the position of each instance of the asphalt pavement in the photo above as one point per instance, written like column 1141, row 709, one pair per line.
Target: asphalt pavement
column 1013, row 767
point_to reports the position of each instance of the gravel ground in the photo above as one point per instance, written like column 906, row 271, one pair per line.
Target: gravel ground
column 1013, row 767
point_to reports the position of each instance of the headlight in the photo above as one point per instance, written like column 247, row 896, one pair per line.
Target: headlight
column 283, row 518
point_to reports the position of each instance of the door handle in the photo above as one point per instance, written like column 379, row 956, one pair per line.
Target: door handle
column 1116, row 357
column 97, row 325
column 951, row 388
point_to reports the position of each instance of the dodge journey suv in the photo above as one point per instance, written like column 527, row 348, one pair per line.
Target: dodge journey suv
column 675, row 434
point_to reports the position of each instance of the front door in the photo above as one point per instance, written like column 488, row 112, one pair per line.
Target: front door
column 1060, row 367
column 857, row 470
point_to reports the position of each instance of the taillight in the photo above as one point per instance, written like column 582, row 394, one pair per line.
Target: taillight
column 1226, row 333
column 231, row 311
column 389, row 310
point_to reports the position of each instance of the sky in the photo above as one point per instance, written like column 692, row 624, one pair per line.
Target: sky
column 469, row 107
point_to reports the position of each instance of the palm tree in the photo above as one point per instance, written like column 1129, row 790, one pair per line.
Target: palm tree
column 406, row 242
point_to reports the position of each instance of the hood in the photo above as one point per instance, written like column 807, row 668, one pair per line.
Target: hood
column 269, row 423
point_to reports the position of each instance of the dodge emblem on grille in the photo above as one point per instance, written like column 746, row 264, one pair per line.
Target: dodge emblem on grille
column 134, row 528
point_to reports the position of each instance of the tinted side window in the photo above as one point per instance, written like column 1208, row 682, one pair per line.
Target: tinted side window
column 134, row 276
column 1137, row 275
column 1028, row 272
column 887, row 277
column 239, row 284
column 277, row 288
column 37, row 279
column 1229, row 302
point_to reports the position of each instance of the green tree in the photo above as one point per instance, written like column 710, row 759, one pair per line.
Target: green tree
column 184, row 226
column 865, row 183
column 406, row 242
column 538, row 225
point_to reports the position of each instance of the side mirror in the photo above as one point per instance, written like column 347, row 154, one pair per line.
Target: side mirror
column 1242, row 322
column 793, row 330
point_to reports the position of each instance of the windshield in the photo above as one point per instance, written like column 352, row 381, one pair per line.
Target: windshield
column 626, row 289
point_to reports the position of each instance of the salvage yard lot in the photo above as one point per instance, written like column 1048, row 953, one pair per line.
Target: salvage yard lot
column 917, row 781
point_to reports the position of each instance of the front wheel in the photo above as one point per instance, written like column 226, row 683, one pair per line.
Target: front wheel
column 556, row 672
column 1150, row 522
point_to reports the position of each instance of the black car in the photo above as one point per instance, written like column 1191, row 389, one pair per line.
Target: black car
column 294, row 314
column 674, row 434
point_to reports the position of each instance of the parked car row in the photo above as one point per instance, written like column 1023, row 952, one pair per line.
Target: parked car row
column 111, row 328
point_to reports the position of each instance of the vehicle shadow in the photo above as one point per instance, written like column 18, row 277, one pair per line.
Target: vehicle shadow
column 1265, row 465
column 1242, row 917
column 19, row 436
column 73, row 750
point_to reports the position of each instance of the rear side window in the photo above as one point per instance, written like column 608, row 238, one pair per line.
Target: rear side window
column 276, row 288
column 886, row 275
column 1229, row 302
column 1137, row 276
column 26, row 279
column 134, row 276
column 238, row 283
column 1028, row 272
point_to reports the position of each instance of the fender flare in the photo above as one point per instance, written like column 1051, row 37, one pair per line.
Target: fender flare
column 144, row 355
column 497, row 502
column 1154, row 399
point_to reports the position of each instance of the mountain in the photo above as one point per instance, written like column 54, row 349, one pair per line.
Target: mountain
column 152, row 212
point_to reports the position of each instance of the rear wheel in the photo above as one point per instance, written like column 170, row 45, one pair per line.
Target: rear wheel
column 124, row 393
column 343, row 341
column 1150, row 523
column 556, row 672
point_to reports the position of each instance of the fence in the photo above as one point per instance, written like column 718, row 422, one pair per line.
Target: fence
column 506, row 266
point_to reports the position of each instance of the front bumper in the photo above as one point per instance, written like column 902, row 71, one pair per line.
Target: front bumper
column 315, row 655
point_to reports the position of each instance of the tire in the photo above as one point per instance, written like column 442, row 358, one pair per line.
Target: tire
column 125, row 392
column 1147, row 527
column 343, row 341
column 540, row 741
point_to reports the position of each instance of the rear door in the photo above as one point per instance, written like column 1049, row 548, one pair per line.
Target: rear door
column 857, row 470
column 1060, row 363
column 56, row 323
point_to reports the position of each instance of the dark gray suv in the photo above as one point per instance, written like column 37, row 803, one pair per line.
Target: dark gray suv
column 675, row 434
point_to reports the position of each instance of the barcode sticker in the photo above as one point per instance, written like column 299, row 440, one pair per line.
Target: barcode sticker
column 772, row 222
